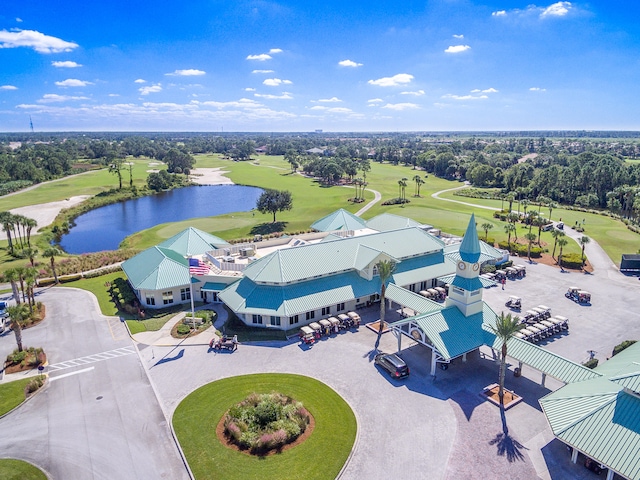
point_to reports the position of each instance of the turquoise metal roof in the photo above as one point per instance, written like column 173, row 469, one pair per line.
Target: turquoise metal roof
column 157, row 268
column 599, row 416
column 468, row 284
column 388, row 221
column 418, row 269
column 326, row 258
column 246, row 296
column 470, row 246
column 192, row 241
column 487, row 252
column 629, row 380
column 339, row 220
column 484, row 281
column 214, row 286
column 414, row 301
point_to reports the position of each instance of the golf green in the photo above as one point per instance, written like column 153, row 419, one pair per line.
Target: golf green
column 321, row 456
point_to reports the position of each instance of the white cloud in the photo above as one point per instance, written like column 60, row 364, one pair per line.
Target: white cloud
column 417, row 93
column 457, row 48
column 332, row 109
column 139, row 80
column 67, row 64
column 8, row 87
column 40, row 42
column 349, row 63
column 18, row 19
column 558, row 9
column 249, row 89
column 261, row 57
column 465, row 97
column 490, row 90
column 476, row 90
column 150, row 89
column 399, row 79
column 52, row 97
column 401, row 106
column 330, row 100
column 459, row 37
column 274, row 82
column 114, row 95
column 73, row 82
column 284, row 96
column 262, row 71
column 375, row 100
column 242, row 103
column 499, row 13
column 191, row 72
column 537, row 89
column 275, row 50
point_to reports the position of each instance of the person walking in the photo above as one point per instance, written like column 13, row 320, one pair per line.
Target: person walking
column 504, row 280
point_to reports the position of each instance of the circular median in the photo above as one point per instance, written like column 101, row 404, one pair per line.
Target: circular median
column 320, row 456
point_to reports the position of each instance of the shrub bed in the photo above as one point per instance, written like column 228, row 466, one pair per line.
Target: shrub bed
column 572, row 260
column 264, row 422
column 521, row 250
column 621, row 346
column 27, row 359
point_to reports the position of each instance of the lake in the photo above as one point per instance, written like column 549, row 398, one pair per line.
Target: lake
column 105, row 227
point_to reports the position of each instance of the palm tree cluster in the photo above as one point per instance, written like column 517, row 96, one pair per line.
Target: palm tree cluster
column 18, row 229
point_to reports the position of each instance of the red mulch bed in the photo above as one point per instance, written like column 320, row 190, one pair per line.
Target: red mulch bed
column 20, row 367
column 229, row 444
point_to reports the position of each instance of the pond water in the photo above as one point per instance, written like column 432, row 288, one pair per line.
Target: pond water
column 105, row 227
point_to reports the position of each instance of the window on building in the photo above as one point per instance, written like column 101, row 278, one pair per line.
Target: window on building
column 167, row 297
column 423, row 285
column 275, row 320
column 458, row 290
column 311, row 315
column 340, row 307
column 326, row 310
column 151, row 300
column 257, row 318
column 185, row 294
column 293, row 320
column 412, row 287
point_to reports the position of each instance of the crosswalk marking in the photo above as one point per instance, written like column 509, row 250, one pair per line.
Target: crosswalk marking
column 93, row 358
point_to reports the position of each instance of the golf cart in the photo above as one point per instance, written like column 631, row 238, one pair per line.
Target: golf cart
column 577, row 295
column 307, row 335
column 515, row 303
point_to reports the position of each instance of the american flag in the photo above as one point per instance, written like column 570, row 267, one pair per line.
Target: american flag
column 197, row 267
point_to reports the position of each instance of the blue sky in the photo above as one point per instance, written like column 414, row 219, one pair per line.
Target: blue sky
column 333, row 65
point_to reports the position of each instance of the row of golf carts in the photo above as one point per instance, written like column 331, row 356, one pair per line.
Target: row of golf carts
column 309, row 334
column 512, row 273
column 437, row 294
column 539, row 324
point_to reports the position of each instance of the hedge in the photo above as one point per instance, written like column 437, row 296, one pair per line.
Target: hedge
column 621, row 346
column 521, row 250
column 572, row 260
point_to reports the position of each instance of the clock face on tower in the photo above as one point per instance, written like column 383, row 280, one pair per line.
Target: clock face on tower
column 462, row 265
column 475, row 267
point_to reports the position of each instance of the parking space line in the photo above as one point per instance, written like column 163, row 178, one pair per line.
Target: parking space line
column 93, row 358
column 58, row 377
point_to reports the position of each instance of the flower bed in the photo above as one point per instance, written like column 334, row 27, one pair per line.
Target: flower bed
column 265, row 422
column 27, row 359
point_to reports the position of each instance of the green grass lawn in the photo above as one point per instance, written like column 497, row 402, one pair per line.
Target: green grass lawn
column 12, row 395
column 11, row 469
column 321, row 456
column 96, row 286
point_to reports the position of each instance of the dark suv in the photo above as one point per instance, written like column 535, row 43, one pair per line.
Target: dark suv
column 393, row 364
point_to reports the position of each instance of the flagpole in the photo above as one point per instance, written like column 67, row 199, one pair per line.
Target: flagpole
column 193, row 315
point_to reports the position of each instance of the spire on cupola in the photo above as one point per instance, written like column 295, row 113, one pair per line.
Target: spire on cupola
column 470, row 246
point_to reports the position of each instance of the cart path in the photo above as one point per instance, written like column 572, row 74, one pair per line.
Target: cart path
column 377, row 196
column 437, row 197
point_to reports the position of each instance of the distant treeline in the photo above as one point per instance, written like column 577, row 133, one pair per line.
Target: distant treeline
column 563, row 167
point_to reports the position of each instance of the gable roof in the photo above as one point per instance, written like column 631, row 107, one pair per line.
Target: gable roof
column 339, row 220
column 601, row 416
column 192, row 241
column 388, row 221
column 157, row 268
column 469, row 250
column 487, row 252
column 340, row 255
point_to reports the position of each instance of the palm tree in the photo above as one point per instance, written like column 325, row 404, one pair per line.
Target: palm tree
column 420, row 183
column 31, row 253
column 30, row 276
column 417, row 179
column 509, row 228
column 385, row 270
column 52, row 252
column 583, row 241
column 403, row 184
column 486, row 227
column 18, row 314
column 12, row 276
column 551, row 206
column 29, row 223
column 505, row 327
column 531, row 237
column 510, row 198
column 540, row 222
column 525, row 204
column 532, row 216
column 562, row 242
column 556, row 234
column 6, row 220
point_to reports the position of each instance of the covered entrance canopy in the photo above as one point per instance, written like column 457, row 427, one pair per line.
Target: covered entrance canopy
column 449, row 334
